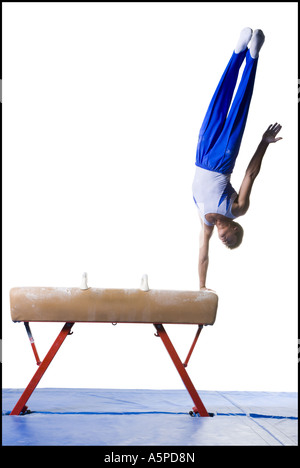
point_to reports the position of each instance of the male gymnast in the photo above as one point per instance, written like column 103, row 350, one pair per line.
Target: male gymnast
column 218, row 146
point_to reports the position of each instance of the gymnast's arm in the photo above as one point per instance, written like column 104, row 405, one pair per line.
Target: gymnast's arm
column 205, row 235
column 241, row 205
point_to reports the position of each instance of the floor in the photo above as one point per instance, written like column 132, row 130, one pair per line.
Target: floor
column 115, row 418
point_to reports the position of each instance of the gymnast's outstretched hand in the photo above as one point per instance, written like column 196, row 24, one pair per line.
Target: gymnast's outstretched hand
column 270, row 134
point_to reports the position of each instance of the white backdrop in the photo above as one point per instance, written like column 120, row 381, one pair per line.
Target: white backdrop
column 102, row 104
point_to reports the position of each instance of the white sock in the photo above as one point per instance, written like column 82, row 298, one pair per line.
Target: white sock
column 258, row 39
column 244, row 38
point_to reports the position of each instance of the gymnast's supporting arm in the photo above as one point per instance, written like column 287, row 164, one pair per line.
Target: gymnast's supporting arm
column 205, row 235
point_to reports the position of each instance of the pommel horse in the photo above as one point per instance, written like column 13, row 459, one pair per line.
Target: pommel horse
column 70, row 305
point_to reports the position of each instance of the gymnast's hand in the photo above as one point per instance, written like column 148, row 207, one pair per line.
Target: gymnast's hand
column 270, row 134
column 204, row 288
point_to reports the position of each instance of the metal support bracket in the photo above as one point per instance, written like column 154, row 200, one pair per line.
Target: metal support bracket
column 193, row 345
column 38, row 361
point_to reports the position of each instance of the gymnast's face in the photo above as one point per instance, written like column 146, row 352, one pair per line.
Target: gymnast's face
column 228, row 235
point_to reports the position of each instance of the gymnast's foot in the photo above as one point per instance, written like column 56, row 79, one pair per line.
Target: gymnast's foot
column 244, row 38
column 258, row 39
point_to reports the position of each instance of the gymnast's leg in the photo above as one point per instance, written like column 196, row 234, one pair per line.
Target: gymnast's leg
column 219, row 149
column 216, row 114
column 229, row 142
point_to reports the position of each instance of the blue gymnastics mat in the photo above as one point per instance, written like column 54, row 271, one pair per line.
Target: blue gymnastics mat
column 104, row 417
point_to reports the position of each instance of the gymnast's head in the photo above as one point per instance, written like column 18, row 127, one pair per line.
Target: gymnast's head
column 231, row 235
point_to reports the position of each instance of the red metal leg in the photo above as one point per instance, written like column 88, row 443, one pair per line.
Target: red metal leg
column 21, row 404
column 199, row 407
